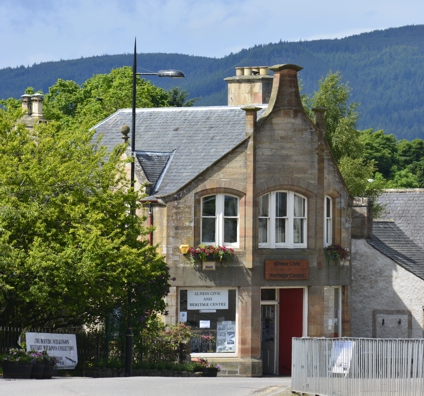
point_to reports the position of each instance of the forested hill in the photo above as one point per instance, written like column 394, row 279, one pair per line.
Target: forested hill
column 384, row 69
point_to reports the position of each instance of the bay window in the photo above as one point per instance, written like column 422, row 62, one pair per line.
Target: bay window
column 282, row 220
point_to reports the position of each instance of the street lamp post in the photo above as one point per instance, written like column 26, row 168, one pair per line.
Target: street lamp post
column 161, row 73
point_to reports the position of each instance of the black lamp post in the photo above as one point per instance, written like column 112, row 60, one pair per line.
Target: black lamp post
column 161, row 73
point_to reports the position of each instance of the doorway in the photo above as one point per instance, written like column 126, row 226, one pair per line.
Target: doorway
column 290, row 325
column 282, row 317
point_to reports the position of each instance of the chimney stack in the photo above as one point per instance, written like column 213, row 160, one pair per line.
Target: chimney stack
column 37, row 105
column 33, row 105
column 250, row 86
column 285, row 88
column 26, row 103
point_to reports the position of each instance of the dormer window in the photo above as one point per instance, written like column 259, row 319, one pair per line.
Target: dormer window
column 282, row 220
column 220, row 220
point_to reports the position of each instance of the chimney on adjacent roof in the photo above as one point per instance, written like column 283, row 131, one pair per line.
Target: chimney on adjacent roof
column 26, row 103
column 251, row 86
column 33, row 105
column 37, row 105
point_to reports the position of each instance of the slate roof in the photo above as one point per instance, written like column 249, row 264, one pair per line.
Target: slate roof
column 197, row 137
column 390, row 240
column 406, row 208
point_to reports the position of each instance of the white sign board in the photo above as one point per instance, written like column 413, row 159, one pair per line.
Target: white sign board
column 207, row 299
column 61, row 346
column 341, row 356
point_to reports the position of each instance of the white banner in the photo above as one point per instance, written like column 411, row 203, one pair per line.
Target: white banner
column 61, row 346
column 207, row 299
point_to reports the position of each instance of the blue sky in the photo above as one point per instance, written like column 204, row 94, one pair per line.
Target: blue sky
column 35, row 31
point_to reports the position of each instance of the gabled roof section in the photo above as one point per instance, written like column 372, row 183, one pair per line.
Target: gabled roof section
column 198, row 136
column 406, row 208
column 154, row 166
column 390, row 240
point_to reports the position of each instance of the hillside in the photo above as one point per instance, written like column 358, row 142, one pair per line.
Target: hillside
column 383, row 68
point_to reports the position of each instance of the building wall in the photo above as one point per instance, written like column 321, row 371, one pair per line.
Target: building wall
column 285, row 151
column 398, row 296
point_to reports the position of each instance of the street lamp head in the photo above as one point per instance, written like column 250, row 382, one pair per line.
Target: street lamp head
column 171, row 73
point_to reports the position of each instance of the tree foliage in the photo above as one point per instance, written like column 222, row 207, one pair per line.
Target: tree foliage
column 70, row 251
column 177, row 98
column 99, row 96
column 368, row 160
column 342, row 136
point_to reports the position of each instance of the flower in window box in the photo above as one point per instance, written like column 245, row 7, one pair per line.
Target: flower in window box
column 336, row 253
column 209, row 252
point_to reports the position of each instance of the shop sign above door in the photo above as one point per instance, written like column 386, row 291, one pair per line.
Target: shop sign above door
column 286, row 269
column 207, row 299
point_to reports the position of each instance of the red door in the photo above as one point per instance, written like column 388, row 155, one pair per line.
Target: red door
column 291, row 315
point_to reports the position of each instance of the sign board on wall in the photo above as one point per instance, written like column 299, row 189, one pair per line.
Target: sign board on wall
column 286, row 269
column 207, row 299
column 61, row 346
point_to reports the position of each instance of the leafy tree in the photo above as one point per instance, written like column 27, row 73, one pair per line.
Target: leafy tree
column 177, row 98
column 380, row 148
column 70, row 251
column 340, row 117
column 99, row 96
column 342, row 136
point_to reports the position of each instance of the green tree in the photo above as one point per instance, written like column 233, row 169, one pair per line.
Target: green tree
column 99, row 96
column 342, row 136
column 340, row 118
column 177, row 98
column 380, row 148
column 70, row 250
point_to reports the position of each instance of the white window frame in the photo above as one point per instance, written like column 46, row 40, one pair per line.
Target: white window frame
column 328, row 221
column 219, row 221
column 289, row 243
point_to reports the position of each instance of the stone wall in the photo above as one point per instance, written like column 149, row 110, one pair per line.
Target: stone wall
column 398, row 296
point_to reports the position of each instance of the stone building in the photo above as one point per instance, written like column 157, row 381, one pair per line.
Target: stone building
column 388, row 266
column 256, row 176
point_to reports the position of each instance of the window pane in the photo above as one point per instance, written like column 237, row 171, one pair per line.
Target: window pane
column 328, row 207
column 230, row 230
column 263, row 230
column 280, row 230
column 208, row 230
column 267, row 294
column 299, row 206
column 298, row 225
column 264, row 205
column 208, row 205
column 327, row 231
column 230, row 206
column 281, row 204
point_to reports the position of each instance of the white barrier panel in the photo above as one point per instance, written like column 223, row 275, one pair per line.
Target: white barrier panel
column 61, row 346
column 358, row 366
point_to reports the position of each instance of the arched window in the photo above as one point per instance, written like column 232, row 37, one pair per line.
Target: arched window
column 282, row 220
column 220, row 220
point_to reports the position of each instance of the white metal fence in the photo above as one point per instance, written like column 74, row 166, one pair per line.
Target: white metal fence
column 358, row 366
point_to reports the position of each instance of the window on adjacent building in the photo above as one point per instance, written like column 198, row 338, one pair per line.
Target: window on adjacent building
column 220, row 220
column 328, row 221
column 282, row 220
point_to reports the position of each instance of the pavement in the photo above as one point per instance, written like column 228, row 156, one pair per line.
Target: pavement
column 147, row 386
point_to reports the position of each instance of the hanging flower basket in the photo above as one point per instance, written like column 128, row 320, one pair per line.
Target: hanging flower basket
column 209, row 252
column 336, row 253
